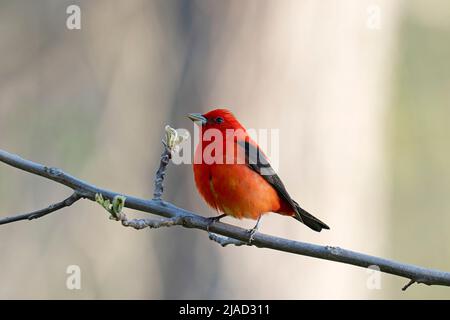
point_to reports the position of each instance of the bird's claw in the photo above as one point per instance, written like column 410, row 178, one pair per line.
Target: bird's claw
column 212, row 220
column 252, row 233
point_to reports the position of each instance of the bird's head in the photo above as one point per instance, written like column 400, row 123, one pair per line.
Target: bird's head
column 220, row 119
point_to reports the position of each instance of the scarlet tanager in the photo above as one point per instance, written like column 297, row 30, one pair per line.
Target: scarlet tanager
column 237, row 179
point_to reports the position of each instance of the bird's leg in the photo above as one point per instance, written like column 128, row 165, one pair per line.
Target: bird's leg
column 254, row 229
column 215, row 219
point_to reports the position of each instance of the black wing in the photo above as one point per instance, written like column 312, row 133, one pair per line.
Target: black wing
column 259, row 163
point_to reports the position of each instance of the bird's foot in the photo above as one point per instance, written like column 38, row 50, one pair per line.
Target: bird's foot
column 212, row 220
column 251, row 233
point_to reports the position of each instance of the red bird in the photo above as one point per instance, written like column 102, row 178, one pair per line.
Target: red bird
column 234, row 176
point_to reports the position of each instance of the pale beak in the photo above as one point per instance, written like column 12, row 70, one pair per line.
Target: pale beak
column 197, row 117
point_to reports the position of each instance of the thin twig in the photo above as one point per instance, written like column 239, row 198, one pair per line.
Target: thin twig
column 161, row 173
column 410, row 283
column 42, row 212
column 192, row 220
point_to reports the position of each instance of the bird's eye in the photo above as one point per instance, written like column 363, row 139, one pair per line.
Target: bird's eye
column 219, row 120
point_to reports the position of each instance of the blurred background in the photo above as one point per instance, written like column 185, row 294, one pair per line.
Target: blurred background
column 360, row 91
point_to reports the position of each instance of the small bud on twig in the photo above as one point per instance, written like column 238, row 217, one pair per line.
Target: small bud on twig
column 114, row 208
column 174, row 138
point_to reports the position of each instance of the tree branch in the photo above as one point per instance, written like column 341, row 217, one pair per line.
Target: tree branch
column 161, row 173
column 151, row 223
column 188, row 219
column 40, row 213
column 225, row 241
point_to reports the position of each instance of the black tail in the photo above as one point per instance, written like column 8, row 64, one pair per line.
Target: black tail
column 308, row 219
